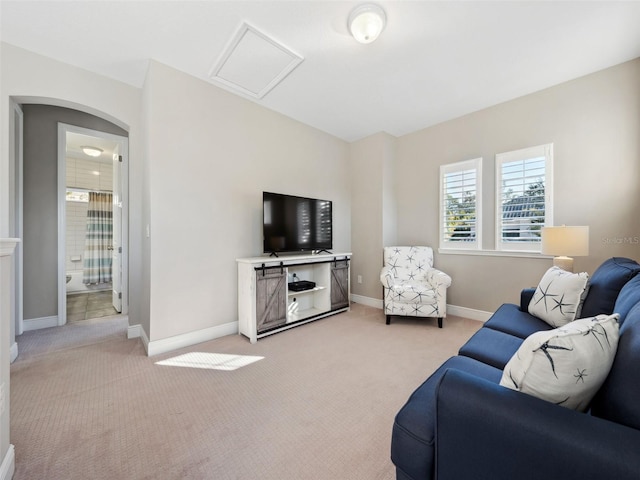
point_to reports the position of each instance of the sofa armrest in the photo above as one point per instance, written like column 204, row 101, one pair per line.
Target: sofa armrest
column 437, row 278
column 525, row 297
column 387, row 278
column 487, row 431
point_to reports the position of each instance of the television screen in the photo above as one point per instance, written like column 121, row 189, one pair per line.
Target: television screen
column 293, row 224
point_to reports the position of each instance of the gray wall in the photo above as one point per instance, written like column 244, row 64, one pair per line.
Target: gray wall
column 41, row 201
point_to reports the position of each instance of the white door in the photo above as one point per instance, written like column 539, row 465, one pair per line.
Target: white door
column 116, row 265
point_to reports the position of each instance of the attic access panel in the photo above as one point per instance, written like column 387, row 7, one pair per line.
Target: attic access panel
column 254, row 63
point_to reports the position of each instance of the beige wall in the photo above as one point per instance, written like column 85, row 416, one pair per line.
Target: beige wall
column 64, row 85
column 211, row 155
column 28, row 78
column 594, row 124
column 373, row 216
column 200, row 158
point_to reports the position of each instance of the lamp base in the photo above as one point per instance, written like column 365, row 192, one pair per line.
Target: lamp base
column 565, row 263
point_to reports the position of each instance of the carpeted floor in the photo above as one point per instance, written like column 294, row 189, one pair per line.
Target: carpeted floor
column 86, row 403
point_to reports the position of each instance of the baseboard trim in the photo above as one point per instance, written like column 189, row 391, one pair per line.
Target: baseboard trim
column 136, row 331
column 465, row 312
column 470, row 313
column 156, row 347
column 38, row 323
column 8, row 467
column 370, row 302
column 13, row 352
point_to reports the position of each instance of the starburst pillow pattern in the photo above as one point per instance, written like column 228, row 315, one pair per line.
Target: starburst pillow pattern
column 559, row 296
column 565, row 366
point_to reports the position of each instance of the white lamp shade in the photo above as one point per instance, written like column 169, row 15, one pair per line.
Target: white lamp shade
column 565, row 241
column 366, row 23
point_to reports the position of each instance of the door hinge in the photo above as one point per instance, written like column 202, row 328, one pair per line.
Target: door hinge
column 120, row 158
column 120, row 295
column 119, row 249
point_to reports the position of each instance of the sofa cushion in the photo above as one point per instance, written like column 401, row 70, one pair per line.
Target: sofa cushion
column 605, row 284
column 492, row 347
column 559, row 296
column 628, row 297
column 510, row 319
column 618, row 398
column 565, row 366
column 413, row 436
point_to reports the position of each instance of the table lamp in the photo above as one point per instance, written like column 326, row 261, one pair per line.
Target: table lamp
column 564, row 241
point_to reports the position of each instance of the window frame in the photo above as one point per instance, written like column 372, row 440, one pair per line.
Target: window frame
column 546, row 151
column 472, row 164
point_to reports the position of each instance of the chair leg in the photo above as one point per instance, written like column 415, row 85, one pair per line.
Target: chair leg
column 439, row 322
column 388, row 319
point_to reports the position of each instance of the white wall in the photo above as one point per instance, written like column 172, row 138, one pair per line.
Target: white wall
column 211, row 155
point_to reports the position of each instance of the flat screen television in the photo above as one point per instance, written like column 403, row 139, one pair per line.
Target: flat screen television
column 296, row 224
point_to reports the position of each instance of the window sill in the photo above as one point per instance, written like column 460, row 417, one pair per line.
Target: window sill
column 494, row 253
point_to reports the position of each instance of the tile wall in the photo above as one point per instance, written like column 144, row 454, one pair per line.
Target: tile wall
column 85, row 175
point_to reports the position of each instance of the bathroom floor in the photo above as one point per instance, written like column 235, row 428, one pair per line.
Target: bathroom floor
column 83, row 306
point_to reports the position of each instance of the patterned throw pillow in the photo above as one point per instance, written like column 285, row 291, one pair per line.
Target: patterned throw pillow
column 559, row 296
column 565, row 366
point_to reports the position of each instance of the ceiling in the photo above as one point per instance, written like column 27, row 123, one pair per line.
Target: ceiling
column 75, row 142
column 434, row 61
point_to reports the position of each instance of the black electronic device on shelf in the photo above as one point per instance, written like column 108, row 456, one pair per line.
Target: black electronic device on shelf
column 301, row 285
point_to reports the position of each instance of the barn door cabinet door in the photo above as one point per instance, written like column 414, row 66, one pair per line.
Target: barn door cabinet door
column 271, row 298
column 339, row 284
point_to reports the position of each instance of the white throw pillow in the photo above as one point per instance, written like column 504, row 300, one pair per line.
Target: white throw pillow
column 565, row 366
column 559, row 296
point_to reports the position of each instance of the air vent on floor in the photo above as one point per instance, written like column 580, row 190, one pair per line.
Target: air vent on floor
column 253, row 63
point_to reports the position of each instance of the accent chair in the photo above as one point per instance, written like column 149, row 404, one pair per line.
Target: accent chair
column 411, row 286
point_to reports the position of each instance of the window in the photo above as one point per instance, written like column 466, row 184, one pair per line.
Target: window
column 460, row 194
column 523, row 197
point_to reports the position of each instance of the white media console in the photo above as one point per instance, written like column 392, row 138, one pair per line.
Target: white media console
column 267, row 306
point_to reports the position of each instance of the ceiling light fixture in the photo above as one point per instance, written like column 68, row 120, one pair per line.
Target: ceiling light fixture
column 366, row 22
column 92, row 151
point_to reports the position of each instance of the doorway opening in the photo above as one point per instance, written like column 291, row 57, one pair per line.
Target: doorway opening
column 92, row 186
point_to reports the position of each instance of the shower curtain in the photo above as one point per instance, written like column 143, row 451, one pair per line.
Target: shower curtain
column 99, row 239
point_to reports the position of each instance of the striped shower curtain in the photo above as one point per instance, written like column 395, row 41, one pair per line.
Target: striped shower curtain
column 99, row 239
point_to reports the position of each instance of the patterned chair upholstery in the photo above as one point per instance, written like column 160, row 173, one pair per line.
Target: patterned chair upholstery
column 412, row 287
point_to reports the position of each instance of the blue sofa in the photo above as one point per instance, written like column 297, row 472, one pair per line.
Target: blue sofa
column 461, row 424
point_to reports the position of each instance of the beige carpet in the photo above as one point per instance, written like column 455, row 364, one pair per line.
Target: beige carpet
column 86, row 403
